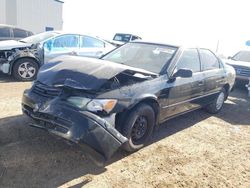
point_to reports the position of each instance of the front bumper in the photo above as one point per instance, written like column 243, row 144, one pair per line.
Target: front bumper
column 242, row 78
column 81, row 127
column 4, row 66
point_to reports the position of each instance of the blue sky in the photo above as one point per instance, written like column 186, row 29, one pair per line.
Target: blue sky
column 193, row 23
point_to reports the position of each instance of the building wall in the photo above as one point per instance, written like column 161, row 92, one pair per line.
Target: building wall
column 11, row 16
column 2, row 11
column 33, row 15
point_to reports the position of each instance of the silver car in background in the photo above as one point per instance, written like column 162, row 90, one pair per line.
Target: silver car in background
column 241, row 63
column 22, row 59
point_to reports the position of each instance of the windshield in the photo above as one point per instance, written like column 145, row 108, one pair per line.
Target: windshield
column 39, row 37
column 122, row 37
column 150, row 57
column 242, row 56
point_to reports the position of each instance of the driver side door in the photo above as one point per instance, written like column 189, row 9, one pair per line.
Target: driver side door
column 185, row 93
column 61, row 45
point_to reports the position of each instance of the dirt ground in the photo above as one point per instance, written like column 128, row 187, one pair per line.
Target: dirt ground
column 194, row 150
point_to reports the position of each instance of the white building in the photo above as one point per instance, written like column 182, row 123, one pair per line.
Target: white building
column 33, row 15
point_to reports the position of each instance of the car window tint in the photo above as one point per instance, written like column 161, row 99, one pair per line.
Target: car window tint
column 122, row 37
column 134, row 37
column 66, row 41
column 90, row 42
column 242, row 56
column 4, row 32
column 209, row 60
column 189, row 60
column 30, row 33
column 19, row 33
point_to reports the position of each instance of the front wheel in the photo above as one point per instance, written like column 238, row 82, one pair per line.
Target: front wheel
column 218, row 102
column 138, row 127
column 25, row 69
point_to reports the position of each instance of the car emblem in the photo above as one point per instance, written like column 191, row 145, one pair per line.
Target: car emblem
column 238, row 71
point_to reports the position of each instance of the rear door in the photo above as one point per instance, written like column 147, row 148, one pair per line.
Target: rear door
column 91, row 47
column 19, row 34
column 213, row 73
column 185, row 93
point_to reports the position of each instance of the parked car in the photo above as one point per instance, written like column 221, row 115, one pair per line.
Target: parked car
column 8, row 32
column 116, row 101
column 241, row 63
column 23, row 58
column 122, row 38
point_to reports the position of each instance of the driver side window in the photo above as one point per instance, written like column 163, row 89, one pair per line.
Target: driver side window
column 189, row 60
column 66, row 41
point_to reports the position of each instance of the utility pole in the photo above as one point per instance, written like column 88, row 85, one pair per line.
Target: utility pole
column 217, row 47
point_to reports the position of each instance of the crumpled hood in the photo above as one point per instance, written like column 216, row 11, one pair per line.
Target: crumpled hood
column 80, row 72
column 238, row 63
column 10, row 44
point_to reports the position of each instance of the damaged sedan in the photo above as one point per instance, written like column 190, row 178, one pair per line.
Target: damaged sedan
column 117, row 101
column 23, row 58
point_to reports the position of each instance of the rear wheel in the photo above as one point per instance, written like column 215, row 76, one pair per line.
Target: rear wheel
column 218, row 102
column 138, row 127
column 25, row 69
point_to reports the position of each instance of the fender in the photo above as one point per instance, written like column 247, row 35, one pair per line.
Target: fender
column 142, row 97
column 152, row 100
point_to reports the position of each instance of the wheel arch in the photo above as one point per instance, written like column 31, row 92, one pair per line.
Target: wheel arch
column 150, row 100
column 23, row 57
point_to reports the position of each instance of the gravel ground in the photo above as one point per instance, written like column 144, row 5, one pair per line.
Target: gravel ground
column 194, row 150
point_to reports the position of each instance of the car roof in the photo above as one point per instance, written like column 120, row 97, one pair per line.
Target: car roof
column 13, row 27
column 75, row 33
column 155, row 43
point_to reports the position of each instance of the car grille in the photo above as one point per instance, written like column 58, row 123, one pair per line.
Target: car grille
column 46, row 91
column 241, row 71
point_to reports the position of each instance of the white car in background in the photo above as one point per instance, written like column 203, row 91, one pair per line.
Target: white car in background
column 23, row 58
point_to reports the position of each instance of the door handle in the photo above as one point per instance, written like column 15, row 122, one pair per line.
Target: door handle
column 201, row 83
column 72, row 53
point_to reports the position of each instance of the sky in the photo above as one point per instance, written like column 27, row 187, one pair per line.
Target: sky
column 203, row 23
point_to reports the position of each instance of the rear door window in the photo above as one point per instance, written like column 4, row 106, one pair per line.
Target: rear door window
column 134, row 38
column 4, row 32
column 209, row 60
column 189, row 60
column 19, row 33
column 90, row 42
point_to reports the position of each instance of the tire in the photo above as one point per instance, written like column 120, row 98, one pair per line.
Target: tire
column 217, row 103
column 25, row 69
column 133, row 127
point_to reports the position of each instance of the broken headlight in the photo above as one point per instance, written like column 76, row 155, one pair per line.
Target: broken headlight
column 93, row 105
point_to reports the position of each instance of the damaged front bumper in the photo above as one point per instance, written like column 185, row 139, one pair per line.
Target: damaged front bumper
column 81, row 127
column 4, row 66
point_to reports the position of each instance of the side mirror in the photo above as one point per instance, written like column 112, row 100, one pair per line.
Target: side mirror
column 183, row 73
column 229, row 57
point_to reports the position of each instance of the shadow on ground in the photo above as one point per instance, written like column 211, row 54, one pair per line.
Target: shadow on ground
column 41, row 159
column 6, row 78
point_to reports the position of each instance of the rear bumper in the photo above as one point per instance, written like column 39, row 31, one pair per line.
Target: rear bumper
column 80, row 127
